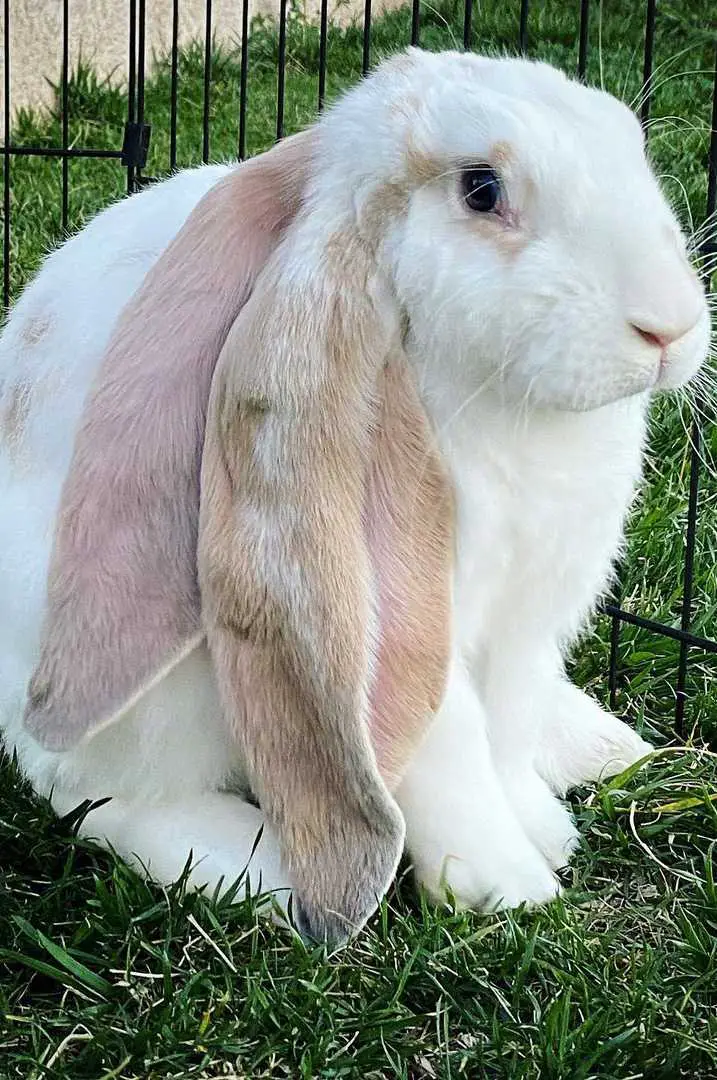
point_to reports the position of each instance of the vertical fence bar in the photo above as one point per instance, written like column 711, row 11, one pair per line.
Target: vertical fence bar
column 323, row 34
column 467, row 24
column 614, row 646
column 207, row 80
column 65, row 112
column 648, row 60
column 686, row 614
column 173, row 87
column 583, row 47
column 366, row 59
column 712, row 159
column 415, row 22
column 523, row 33
column 243, row 77
column 132, row 80
column 140, row 75
column 6, row 164
column 281, row 84
column 695, row 440
column 140, row 63
column 132, row 61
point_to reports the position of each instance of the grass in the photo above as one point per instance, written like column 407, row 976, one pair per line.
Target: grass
column 103, row 975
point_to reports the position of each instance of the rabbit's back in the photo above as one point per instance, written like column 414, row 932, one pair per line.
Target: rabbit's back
column 50, row 351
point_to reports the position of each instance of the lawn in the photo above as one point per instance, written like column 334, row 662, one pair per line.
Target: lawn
column 103, row 975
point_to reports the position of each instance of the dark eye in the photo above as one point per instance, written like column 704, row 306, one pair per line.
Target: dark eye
column 481, row 189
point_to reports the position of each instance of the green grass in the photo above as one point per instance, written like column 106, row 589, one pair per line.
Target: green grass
column 103, row 975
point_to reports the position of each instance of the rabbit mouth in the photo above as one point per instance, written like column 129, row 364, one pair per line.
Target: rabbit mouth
column 682, row 362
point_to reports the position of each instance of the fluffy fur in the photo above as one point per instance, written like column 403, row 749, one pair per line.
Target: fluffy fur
column 535, row 337
column 123, row 601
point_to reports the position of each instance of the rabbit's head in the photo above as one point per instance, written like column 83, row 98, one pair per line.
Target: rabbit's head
column 521, row 227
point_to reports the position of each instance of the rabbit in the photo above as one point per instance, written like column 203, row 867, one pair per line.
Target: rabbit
column 312, row 471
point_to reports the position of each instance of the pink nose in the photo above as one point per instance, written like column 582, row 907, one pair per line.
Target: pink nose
column 661, row 334
column 661, row 339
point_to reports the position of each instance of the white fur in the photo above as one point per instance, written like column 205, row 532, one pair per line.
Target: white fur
column 538, row 384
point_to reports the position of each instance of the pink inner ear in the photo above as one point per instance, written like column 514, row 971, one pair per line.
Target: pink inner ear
column 408, row 524
column 123, row 599
column 399, row 712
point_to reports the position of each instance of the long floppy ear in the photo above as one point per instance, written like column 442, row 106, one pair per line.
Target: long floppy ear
column 123, row 601
column 408, row 527
column 322, row 505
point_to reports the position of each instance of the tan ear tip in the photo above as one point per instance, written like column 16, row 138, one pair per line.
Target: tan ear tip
column 48, row 732
column 47, row 722
column 339, row 892
column 37, row 720
column 321, row 927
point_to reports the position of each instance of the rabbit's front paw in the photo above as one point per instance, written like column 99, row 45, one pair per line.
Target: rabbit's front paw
column 547, row 822
column 483, row 864
column 581, row 742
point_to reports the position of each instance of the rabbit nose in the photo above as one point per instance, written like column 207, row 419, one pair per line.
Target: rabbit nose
column 652, row 338
column 661, row 336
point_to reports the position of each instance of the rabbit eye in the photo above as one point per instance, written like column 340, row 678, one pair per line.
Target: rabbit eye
column 481, row 189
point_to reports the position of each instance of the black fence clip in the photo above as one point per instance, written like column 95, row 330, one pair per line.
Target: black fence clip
column 136, row 144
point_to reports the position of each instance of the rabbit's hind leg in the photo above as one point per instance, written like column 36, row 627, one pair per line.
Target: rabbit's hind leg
column 540, row 718
column 167, row 767
column 222, row 837
column 580, row 742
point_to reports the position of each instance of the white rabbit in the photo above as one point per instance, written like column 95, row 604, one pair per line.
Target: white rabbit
column 491, row 228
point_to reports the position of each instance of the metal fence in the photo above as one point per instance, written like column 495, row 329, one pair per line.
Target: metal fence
column 132, row 157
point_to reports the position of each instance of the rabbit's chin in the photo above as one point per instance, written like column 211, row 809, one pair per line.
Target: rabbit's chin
column 583, row 394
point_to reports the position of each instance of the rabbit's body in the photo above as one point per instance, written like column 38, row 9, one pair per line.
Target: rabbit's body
column 538, row 527
column 542, row 471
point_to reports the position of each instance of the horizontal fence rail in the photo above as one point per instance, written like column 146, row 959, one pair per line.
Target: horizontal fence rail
column 132, row 157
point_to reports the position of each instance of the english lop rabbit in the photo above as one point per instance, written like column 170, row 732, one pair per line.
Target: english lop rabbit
column 312, row 469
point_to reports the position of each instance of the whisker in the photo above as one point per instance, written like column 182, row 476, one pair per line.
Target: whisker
column 447, row 26
column 685, row 398
column 689, row 442
column 647, row 87
column 676, row 121
column 708, row 258
column 628, row 71
column 652, row 89
column 600, row 56
column 706, row 231
column 683, row 190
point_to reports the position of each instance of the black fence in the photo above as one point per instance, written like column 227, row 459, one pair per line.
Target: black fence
column 132, row 157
